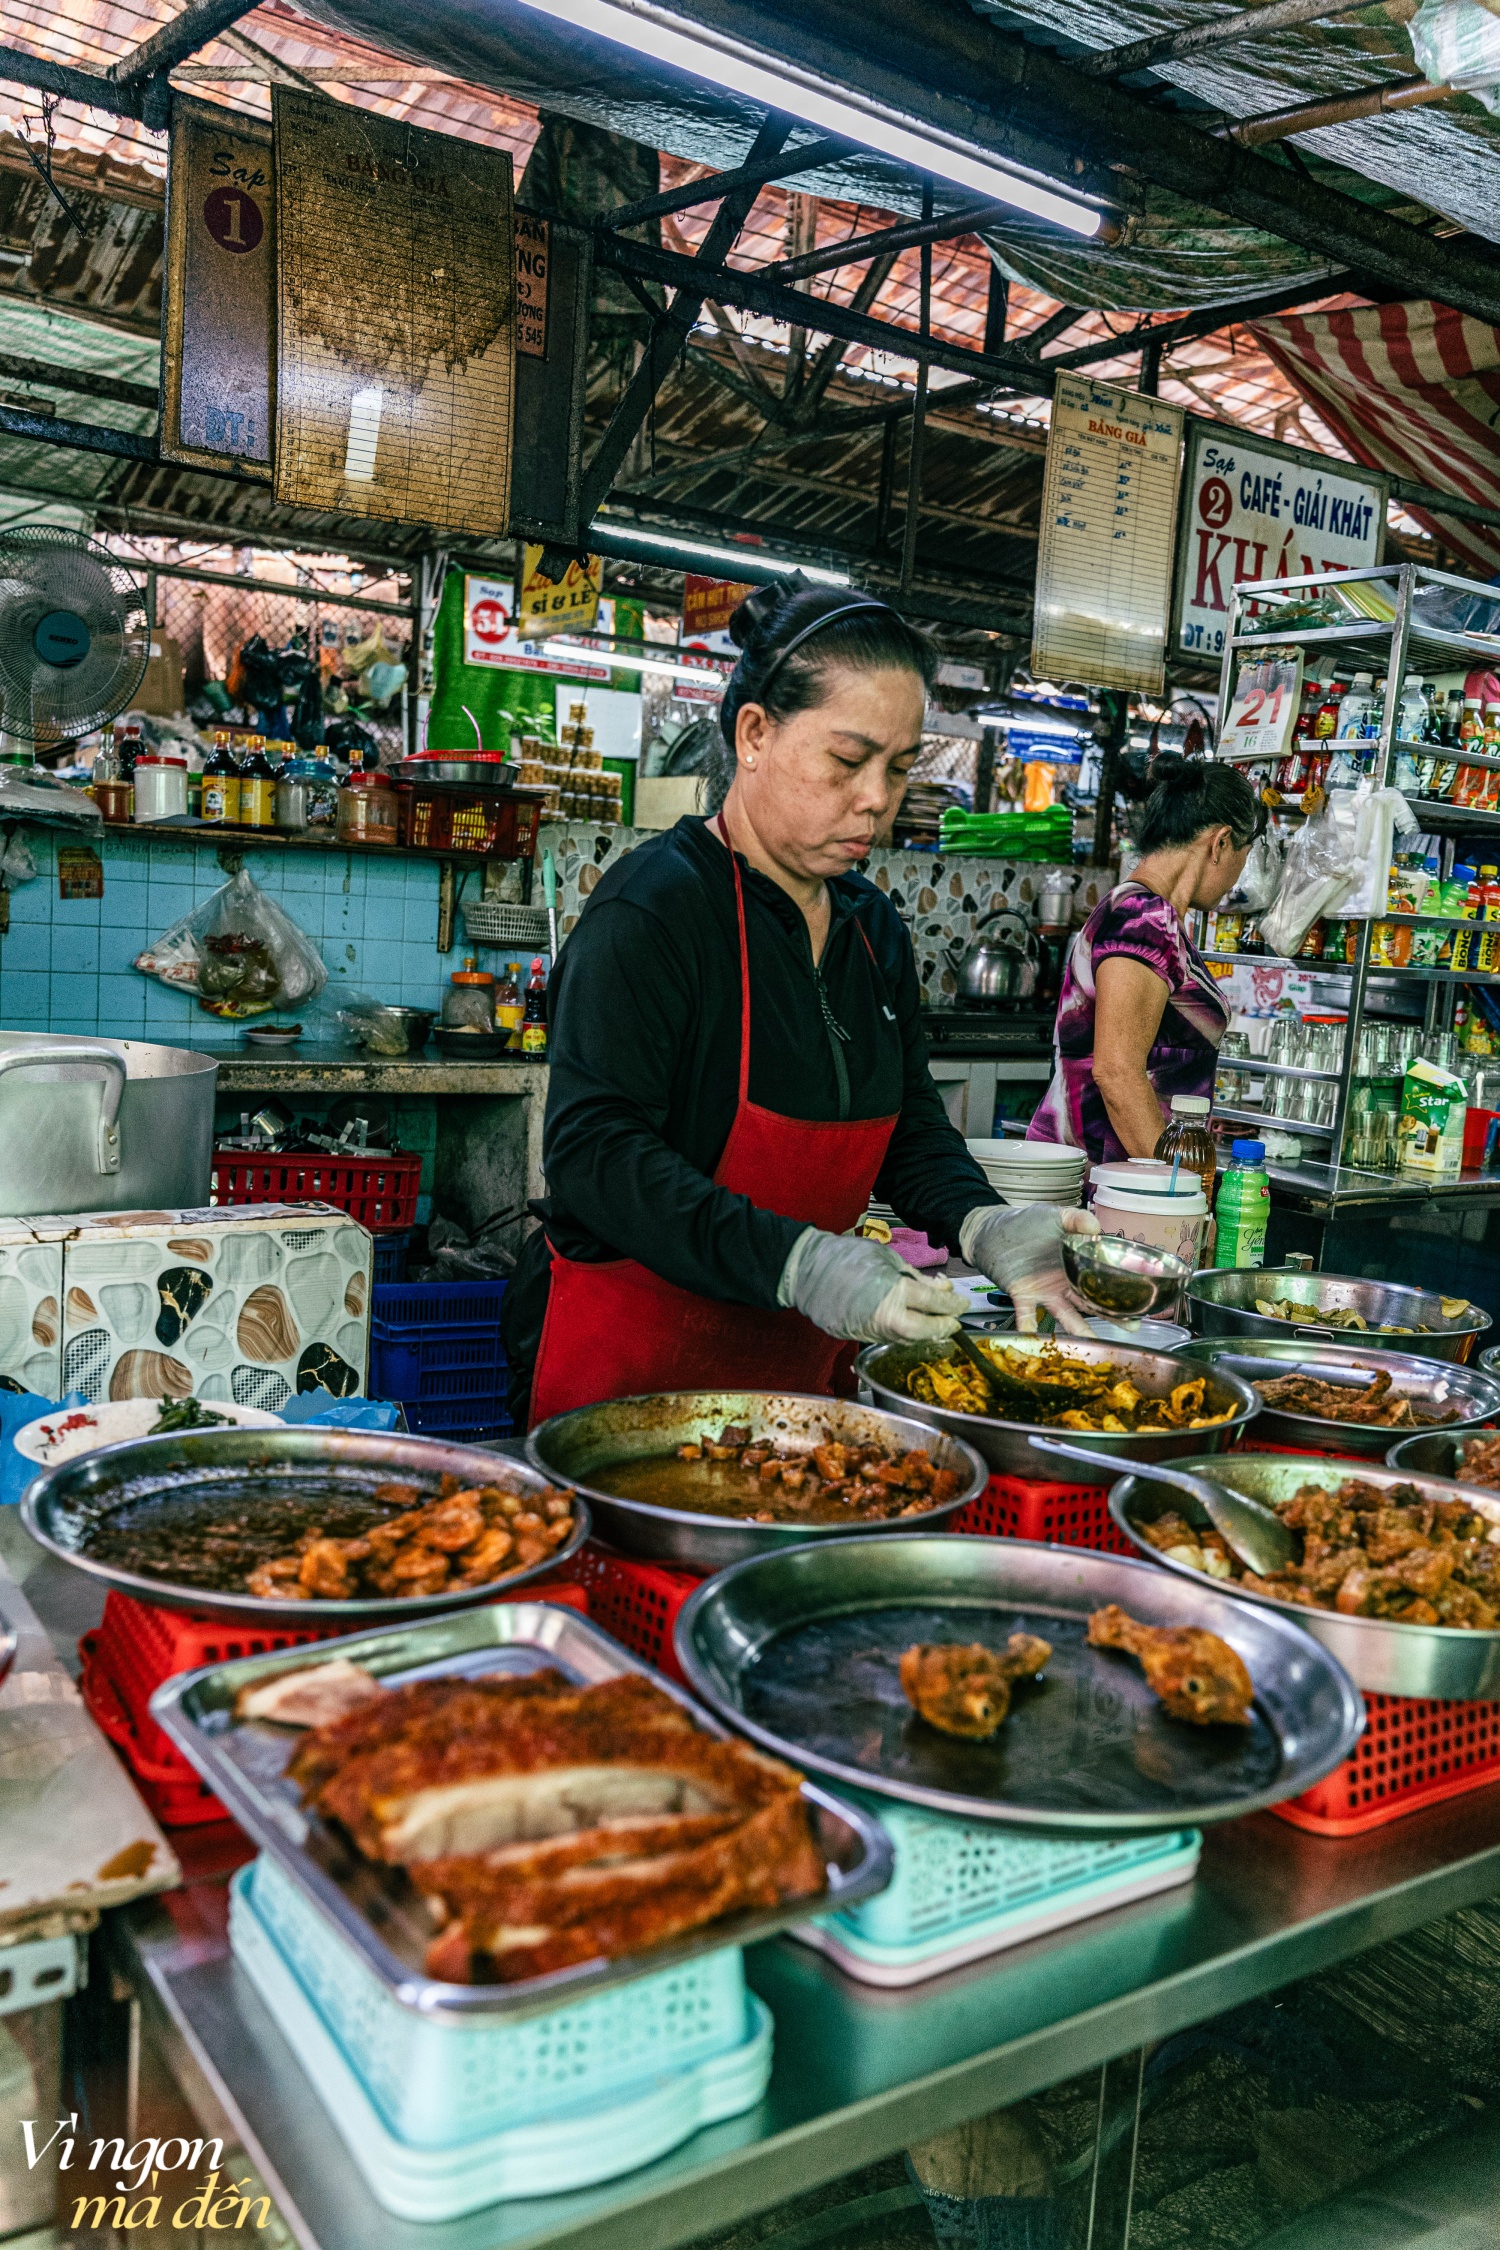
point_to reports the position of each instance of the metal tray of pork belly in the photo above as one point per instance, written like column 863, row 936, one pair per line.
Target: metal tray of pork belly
column 373, row 1907
column 1442, row 1394
column 186, row 1485
column 1006, row 1446
column 1380, row 1654
column 801, row 1651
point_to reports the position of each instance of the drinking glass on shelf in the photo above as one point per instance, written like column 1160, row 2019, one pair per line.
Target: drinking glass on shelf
column 1286, row 1041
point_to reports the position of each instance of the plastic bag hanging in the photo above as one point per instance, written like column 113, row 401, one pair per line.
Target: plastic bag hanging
column 1321, row 866
column 239, row 953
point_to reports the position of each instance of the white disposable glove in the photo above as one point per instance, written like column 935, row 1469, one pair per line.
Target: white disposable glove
column 864, row 1292
column 1021, row 1251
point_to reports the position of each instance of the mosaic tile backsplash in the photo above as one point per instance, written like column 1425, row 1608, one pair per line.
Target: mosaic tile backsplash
column 66, row 964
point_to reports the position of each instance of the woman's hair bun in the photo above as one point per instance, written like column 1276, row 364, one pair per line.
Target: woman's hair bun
column 759, row 611
column 1170, row 769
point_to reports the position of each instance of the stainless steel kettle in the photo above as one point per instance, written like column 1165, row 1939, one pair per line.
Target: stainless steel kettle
column 1002, row 960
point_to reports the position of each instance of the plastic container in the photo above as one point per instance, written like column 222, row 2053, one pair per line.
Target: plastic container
column 424, row 1328
column 140, row 1644
column 438, row 2083
column 380, row 1190
column 577, row 2145
column 1045, row 1509
column 469, row 1002
column 161, row 790
column 1412, row 1753
column 391, row 1249
column 368, row 812
column 1187, row 1136
column 174, row 1791
column 962, row 1890
column 638, row 1602
column 1176, row 1223
column 1243, row 1207
column 444, row 816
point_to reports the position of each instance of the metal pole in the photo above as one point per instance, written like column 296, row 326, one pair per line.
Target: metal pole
column 919, row 413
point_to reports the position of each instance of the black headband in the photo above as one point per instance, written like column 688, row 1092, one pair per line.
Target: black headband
column 861, row 607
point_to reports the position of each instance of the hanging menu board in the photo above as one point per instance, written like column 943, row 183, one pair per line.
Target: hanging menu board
column 395, row 319
column 1104, row 566
column 218, row 290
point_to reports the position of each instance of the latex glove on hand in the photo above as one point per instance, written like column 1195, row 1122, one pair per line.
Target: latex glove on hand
column 864, row 1292
column 1021, row 1251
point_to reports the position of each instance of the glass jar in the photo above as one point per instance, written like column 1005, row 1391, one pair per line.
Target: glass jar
column 367, row 811
column 293, row 791
column 1188, row 1137
column 469, row 1002
column 161, row 791
column 114, row 799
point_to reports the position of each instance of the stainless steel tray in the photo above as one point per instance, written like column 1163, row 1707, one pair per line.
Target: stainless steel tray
column 1436, row 1384
column 1380, row 1656
column 800, row 1651
column 63, row 1505
column 373, row 1907
column 1220, row 1301
column 1438, row 1453
column 570, row 1447
column 1006, row 1446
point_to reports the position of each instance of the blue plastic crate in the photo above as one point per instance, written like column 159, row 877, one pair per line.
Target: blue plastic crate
column 390, row 1257
column 415, row 1308
column 472, row 1419
column 440, row 1366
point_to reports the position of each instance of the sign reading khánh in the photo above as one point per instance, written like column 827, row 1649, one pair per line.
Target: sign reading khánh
column 395, row 319
column 218, row 290
column 490, row 637
column 1104, row 565
column 569, row 604
column 1255, row 509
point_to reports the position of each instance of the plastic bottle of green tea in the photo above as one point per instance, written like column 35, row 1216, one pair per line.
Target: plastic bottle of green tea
column 1242, row 1207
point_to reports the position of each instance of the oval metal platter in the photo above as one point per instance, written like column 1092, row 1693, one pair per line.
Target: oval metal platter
column 1435, row 1386
column 1220, row 1301
column 1380, row 1655
column 801, row 1651
column 203, row 1474
column 1439, row 1453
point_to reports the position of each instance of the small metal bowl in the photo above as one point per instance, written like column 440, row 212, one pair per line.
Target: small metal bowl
column 1438, row 1453
column 417, row 1024
column 1124, row 1280
column 471, row 1046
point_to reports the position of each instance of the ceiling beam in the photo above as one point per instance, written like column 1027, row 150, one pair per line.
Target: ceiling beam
column 1336, row 109
column 191, row 28
column 90, row 88
column 80, row 380
column 808, row 156
column 1201, row 38
column 909, row 236
column 1208, row 322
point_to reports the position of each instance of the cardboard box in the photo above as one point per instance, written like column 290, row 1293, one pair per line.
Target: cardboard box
column 160, row 693
column 250, row 1305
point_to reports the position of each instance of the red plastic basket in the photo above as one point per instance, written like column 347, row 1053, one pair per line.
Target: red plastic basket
column 378, row 1190
column 1412, row 1753
column 1063, row 1515
column 176, row 1794
column 1250, row 1444
column 141, row 1645
column 636, row 1601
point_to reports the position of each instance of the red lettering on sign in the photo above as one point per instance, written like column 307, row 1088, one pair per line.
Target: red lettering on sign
column 489, row 621
column 1208, row 572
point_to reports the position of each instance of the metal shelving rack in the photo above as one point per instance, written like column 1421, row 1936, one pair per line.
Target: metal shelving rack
column 1407, row 642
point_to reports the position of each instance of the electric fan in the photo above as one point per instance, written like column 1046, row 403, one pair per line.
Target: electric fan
column 75, row 634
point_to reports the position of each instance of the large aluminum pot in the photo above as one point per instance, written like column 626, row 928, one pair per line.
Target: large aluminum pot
column 102, row 1125
column 1435, row 1386
column 1379, row 1655
column 1221, row 1302
column 1007, row 1446
column 572, row 1448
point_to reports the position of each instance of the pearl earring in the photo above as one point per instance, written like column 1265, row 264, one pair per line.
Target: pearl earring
column 750, row 759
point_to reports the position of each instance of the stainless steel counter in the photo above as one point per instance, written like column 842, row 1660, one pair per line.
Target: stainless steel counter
column 858, row 2074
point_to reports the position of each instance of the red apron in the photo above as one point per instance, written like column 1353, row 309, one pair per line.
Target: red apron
column 616, row 1329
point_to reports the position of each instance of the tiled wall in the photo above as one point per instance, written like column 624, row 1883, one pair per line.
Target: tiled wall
column 66, row 964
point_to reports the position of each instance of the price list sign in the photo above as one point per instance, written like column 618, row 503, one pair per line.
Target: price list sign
column 1109, row 509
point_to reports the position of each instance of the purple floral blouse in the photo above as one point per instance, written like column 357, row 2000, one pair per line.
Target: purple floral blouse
column 1138, row 924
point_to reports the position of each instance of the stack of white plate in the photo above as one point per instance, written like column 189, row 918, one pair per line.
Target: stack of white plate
column 1031, row 1171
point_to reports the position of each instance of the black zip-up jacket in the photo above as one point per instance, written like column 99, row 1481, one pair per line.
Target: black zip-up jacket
column 644, row 1044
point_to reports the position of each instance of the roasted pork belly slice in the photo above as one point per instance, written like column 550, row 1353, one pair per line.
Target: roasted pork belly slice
column 504, row 1808
column 317, row 1696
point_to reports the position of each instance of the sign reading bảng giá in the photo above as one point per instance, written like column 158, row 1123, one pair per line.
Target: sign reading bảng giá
column 1104, row 565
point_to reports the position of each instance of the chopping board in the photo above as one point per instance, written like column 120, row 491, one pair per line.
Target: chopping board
column 77, row 1836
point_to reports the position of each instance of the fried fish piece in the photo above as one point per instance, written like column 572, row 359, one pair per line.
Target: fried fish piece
column 966, row 1690
column 1195, row 1675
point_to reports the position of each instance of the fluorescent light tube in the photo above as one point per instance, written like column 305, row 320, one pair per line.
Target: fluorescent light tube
column 700, row 675
column 663, row 38
column 708, row 553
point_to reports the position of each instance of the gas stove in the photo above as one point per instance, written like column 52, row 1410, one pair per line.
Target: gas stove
column 987, row 1031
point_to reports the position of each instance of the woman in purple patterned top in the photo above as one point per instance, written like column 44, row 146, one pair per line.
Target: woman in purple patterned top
column 1140, row 1018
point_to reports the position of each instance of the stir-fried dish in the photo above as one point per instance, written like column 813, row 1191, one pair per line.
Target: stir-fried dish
column 1067, row 1394
column 1368, row 1550
column 761, row 1480
column 1345, row 1316
column 1378, row 1405
column 1480, row 1463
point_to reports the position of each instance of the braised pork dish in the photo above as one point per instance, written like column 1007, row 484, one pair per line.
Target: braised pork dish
column 1379, row 1405
column 759, row 1481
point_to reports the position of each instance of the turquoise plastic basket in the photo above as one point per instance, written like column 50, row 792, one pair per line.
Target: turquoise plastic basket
column 436, row 2084
column 963, row 1889
column 569, row 2148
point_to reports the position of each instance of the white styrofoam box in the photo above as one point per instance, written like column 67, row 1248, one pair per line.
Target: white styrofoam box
column 247, row 1303
column 575, row 2147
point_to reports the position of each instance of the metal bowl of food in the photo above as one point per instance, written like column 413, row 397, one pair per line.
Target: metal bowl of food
column 188, row 1521
column 1471, row 1456
column 1316, row 1387
column 1004, row 1439
column 1125, row 1280
column 661, row 1485
column 1224, row 1302
column 1381, row 1654
column 1489, row 1360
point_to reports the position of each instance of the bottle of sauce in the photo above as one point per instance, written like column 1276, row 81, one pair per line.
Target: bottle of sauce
column 1326, row 723
column 534, row 1023
column 257, row 787
column 1242, row 1207
column 1186, row 1135
column 322, row 791
column 510, row 1006
column 221, row 783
